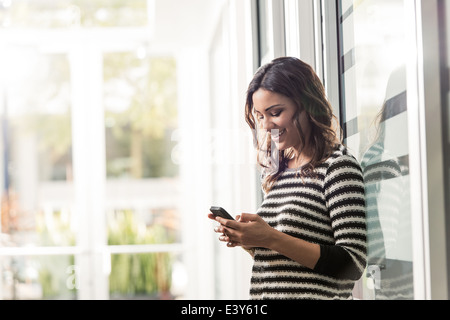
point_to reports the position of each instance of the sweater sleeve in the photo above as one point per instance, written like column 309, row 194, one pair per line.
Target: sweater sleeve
column 345, row 199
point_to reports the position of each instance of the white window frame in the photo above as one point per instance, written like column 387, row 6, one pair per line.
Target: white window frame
column 426, row 154
column 275, row 31
column 330, row 53
column 300, row 27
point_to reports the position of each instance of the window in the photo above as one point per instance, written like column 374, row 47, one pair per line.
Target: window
column 270, row 30
column 140, row 104
column 374, row 111
column 37, row 175
column 89, row 183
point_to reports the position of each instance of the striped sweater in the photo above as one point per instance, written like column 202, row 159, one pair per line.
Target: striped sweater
column 329, row 210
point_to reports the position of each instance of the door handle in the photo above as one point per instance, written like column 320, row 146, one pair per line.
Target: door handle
column 374, row 273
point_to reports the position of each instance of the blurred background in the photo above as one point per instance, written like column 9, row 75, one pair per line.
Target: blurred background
column 122, row 122
column 102, row 105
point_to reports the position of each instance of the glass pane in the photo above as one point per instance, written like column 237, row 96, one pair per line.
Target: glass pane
column 373, row 82
column 263, row 31
column 140, row 123
column 157, row 226
column 70, row 13
column 146, row 276
column 142, row 188
column 38, row 277
column 140, row 115
column 37, row 188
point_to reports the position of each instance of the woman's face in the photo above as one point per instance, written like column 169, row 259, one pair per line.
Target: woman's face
column 275, row 113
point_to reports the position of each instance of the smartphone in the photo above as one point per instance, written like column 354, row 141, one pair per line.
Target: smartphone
column 221, row 212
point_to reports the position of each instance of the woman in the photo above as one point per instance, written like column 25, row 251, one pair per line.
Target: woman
column 308, row 238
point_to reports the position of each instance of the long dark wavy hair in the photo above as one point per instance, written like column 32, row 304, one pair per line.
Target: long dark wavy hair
column 296, row 80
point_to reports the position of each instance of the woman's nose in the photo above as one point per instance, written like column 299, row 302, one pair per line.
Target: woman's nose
column 267, row 124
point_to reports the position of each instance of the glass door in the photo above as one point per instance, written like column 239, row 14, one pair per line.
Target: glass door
column 374, row 115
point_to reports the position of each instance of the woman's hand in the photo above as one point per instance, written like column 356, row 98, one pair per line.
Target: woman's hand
column 248, row 230
column 221, row 229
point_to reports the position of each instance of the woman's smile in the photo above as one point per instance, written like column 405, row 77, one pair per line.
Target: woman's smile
column 276, row 134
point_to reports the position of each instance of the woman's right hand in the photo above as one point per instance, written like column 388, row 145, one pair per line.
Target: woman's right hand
column 221, row 230
column 223, row 236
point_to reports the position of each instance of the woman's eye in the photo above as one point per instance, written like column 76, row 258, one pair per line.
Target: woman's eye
column 276, row 114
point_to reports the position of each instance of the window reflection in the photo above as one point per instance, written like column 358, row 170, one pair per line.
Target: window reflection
column 387, row 196
column 373, row 77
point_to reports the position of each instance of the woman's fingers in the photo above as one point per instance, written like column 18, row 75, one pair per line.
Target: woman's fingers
column 233, row 224
column 248, row 217
column 232, row 244
column 219, row 229
column 231, row 230
column 225, row 237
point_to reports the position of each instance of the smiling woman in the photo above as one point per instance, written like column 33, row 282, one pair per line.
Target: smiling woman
column 295, row 97
column 308, row 238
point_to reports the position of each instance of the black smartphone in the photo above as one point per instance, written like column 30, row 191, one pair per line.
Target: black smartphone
column 221, row 212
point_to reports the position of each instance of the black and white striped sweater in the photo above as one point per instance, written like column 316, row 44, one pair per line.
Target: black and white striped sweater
column 329, row 210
